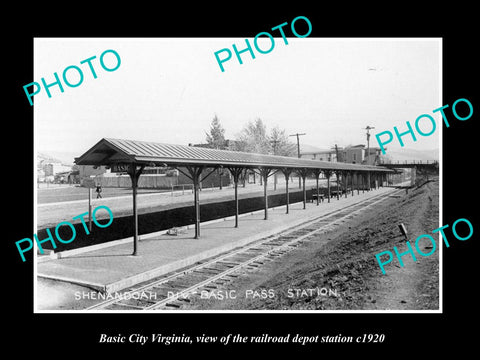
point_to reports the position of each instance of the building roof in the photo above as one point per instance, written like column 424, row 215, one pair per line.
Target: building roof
column 117, row 151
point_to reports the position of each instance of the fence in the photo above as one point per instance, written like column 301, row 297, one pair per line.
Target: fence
column 160, row 181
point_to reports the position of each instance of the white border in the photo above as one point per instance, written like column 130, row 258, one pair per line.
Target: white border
column 440, row 310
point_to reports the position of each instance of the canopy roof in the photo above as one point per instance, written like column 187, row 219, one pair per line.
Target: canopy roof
column 116, row 151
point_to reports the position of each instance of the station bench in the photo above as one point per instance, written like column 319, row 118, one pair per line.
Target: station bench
column 333, row 193
column 321, row 195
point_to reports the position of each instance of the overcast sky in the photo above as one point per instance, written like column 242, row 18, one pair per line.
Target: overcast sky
column 168, row 90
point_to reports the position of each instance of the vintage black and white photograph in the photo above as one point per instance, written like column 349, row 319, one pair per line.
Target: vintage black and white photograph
column 269, row 174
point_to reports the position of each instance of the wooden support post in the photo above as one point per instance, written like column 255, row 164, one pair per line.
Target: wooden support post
column 317, row 175
column 358, row 183
column 236, row 202
column 328, row 174
column 134, row 175
column 135, row 216
column 286, row 190
column 265, row 197
column 304, row 192
column 89, row 209
column 196, row 204
column 337, row 174
column 287, row 173
column 236, row 172
column 344, row 177
column 351, row 182
column 303, row 174
column 235, row 180
column 264, row 172
column 195, row 173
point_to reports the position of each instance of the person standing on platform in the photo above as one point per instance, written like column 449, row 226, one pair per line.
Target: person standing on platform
column 99, row 191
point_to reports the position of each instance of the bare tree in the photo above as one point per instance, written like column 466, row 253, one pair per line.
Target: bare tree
column 279, row 143
column 253, row 138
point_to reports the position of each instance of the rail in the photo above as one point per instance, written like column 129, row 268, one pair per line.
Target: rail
column 222, row 269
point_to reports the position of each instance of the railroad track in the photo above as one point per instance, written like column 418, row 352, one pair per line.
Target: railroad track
column 175, row 290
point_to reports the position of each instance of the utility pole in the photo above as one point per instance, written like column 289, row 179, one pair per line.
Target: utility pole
column 298, row 151
column 274, row 144
column 338, row 160
column 368, row 128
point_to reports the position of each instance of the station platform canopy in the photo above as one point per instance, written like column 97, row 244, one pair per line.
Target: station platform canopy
column 110, row 152
column 133, row 156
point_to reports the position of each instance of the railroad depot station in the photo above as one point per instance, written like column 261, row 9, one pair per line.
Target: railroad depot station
column 116, row 266
column 198, row 163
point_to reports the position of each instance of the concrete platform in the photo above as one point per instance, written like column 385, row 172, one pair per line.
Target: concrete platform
column 112, row 268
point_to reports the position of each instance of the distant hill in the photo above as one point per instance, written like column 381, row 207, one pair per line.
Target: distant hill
column 394, row 154
column 410, row 154
column 308, row 149
column 47, row 158
column 64, row 158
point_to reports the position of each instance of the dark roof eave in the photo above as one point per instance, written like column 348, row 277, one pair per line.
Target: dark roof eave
column 211, row 163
